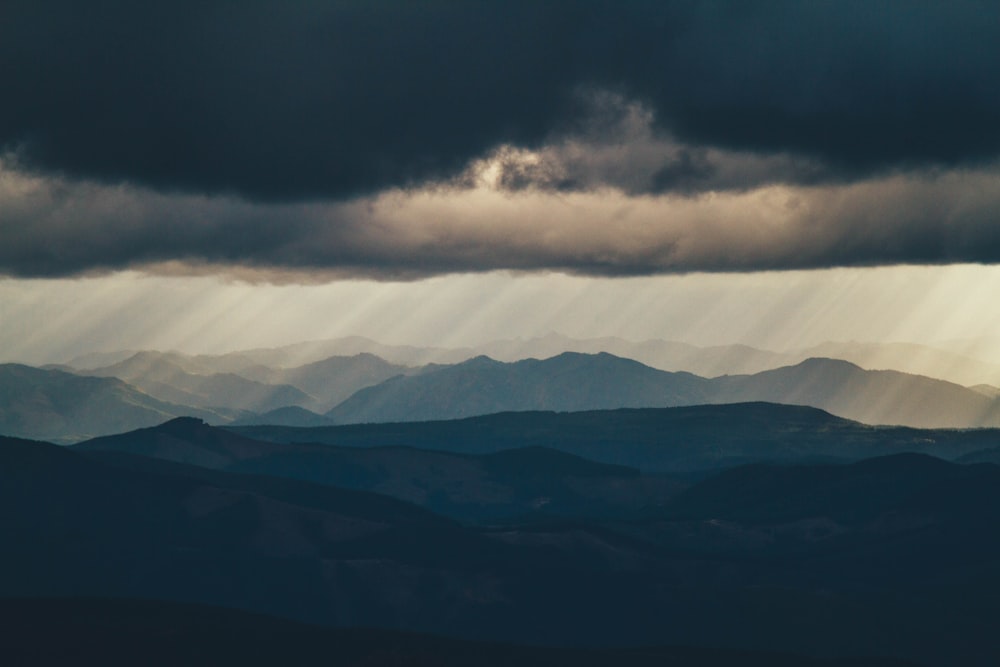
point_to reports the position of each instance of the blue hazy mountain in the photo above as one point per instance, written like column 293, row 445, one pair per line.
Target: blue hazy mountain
column 574, row 382
column 53, row 404
column 174, row 377
column 331, row 380
column 566, row 382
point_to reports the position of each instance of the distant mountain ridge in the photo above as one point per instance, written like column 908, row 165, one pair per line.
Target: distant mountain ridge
column 378, row 391
column 574, row 382
column 64, row 407
column 565, row 383
column 706, row 361
column 333, row 379
column 872, row 397
column 173, row 377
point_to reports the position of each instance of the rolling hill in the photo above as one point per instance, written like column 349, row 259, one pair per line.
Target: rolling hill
column 511, row 483
column 665, row 439
column 821, row 560
column 123, row 633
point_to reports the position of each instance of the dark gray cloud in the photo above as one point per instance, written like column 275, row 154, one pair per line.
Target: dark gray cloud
column 286, row 101
column 60, row 227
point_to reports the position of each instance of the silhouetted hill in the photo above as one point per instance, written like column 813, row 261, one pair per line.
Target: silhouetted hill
column 986, row 455
column 54, row 405
column 847, row 494
column 666, row 439
column 183, row 440
column 76, row 525
column 507, row 484
column 820, row 560
column 147, row 632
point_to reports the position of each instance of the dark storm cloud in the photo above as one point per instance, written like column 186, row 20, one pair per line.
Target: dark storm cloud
column 57, row 227
column 311, row 100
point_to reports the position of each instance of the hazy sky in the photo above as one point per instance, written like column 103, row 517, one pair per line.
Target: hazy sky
column 207, row 176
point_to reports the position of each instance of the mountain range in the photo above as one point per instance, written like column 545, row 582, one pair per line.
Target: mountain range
column 123, row 633
column 681, row 439
column 708, row 361
column 59, row 405
column 573, row 382
column 830, row 561
column 65, row 407
column 507, row 483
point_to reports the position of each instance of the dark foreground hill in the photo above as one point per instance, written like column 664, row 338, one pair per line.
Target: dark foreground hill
column 846, row 566
column 666, row 439
column 124, row 633
column 510, row 483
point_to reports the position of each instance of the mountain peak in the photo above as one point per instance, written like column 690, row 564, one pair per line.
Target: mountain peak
column 179, row 425
column 827, row 362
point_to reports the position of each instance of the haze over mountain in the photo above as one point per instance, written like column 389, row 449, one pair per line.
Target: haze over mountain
column 330, row 380
column 365, row 388
column 173, row 377
column 53, row 404
column 872, row 397
column 567, row 382
column 707, row 361
column 909, row 358
column 573, row 381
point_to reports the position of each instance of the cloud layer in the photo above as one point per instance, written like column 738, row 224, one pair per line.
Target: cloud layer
column 308, row 141
column 293, row 100
column 57, row 227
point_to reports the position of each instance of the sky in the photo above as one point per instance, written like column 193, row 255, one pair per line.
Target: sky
column 210, row 176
